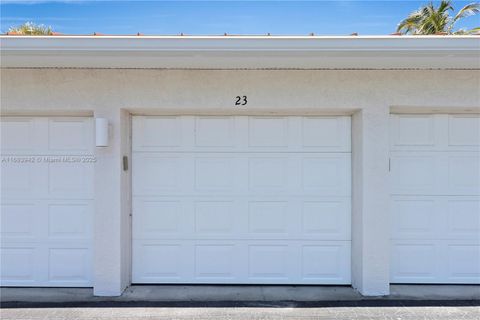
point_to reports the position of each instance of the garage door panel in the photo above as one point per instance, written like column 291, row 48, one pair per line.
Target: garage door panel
column 153, row 133
column 416, row 174
column 326, row 175
column 434, row 261
column 164, row 174
column 327, row 219
column 158, row 217
column 241, row 134
column 463, row 174
column 413, row 132
column 247, row 174
column 24, row 220
column 435, row 204
column 325, row 263
column 70, row 220
column 18, row 135
column 70, row 180
column 414, row 261
column 166, row 261
column 435, row 217
column 416, row 218
column 262, row 262
column 22, row 135
column 268, row 132
column 464, row 132
column 268, row 174
column 267, row 262
column 18, row 220
column 34, row 177
column 238, row 199
column 46, row 264
column 463, row 261
column 463, row 218
column 269, row 217
column 207, row 131
column 70, row 135
column 247, row 218
column 47, row 206
column 69, row 265
column 439, row 132
column 216, row 217
column 217, row 262
column 20, row 179
column 435, row 173
column 47, row 136
column 327, row 133
column 18, row 265
column 215, row 173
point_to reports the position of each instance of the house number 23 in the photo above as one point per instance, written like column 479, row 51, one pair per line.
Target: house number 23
column 241, row 100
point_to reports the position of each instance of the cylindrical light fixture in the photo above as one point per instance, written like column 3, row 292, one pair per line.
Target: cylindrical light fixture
column 101, row 132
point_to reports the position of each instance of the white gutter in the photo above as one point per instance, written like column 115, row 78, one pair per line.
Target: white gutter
column 250, row 52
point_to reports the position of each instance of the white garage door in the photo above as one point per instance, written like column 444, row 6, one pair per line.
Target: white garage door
column 46, row 207
column 435, row 203
column 241, row 200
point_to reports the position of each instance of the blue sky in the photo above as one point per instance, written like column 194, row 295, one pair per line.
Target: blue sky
column 216, row 17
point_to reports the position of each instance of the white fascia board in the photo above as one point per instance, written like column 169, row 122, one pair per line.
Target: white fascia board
column 249, row 52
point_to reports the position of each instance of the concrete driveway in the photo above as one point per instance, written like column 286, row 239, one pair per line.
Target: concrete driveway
column 419, row 302
column 394, row 310
column 371, row 313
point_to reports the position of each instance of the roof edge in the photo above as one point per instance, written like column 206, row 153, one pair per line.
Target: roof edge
column 241, row 51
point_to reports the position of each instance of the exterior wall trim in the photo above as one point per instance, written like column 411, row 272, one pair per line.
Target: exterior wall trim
column 249, row 52
column 19, row 112
column 432, row 110
column 239, row 112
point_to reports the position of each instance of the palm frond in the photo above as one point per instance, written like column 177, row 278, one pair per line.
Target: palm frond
column 474, row 31
column 431, row 20
column 469, row 10
column 444, row 6
column 31, row 29
column 410, row 24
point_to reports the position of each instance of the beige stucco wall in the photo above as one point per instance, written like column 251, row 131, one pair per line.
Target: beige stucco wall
column 96, row 89
column 367, row 95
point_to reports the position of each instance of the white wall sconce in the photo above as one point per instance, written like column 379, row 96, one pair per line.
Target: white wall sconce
column 101, row 132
